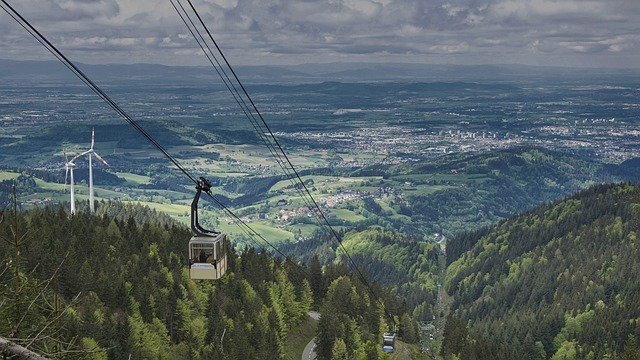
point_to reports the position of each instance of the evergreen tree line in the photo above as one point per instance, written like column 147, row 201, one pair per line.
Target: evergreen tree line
column 407, row 267
column 121, row 289
column 554, row 283
column 115, row 285
column 26, row 184
column 353, row 319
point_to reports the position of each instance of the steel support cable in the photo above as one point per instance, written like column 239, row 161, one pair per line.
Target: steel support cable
column 249, row 114
column 221, row 72
column 212, row 58
column 313, row 204
column 334, row 233
column 243, row 105
column 232, row 88
column 240, row 101
column 237, row 79
column 202, row 43
column 76, row 71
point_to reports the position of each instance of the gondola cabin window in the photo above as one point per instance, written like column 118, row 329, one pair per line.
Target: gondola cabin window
column 207, row 256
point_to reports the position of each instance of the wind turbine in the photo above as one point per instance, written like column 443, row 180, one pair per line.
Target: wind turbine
column 91, row 152
column 68, row 166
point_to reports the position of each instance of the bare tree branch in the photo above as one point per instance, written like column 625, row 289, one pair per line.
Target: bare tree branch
column 54, row 319
column 11, row 350
column 41, row 292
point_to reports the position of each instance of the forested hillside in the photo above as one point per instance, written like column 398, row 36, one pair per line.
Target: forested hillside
column 353, row 319
column 117, row 287
column 478, row 189
column 558, row 282
column 445, row 197
column 408, row 267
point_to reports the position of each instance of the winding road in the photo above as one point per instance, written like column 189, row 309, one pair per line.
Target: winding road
column 309, row 350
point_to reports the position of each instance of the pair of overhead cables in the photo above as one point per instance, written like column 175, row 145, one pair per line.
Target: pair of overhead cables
column 262, row 128
column 243, row 100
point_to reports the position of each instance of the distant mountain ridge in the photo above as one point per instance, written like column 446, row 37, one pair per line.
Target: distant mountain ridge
column 12, row 70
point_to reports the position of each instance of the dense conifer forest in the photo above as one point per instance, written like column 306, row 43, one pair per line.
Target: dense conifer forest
column 558, row 282
column 411, row 269
column 115, row 285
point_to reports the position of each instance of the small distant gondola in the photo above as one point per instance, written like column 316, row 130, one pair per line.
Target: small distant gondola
column 207, row 249
column 388, row 342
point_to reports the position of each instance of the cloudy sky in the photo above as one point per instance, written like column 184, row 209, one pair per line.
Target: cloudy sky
column 584, row 33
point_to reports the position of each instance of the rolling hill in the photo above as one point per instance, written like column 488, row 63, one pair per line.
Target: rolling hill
column 555, row 282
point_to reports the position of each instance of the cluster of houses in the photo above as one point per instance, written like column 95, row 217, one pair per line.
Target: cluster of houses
column 36, row 201
column 286, row 214
column 332, row 201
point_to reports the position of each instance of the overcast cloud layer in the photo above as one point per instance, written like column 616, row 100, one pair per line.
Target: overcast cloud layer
column 593, row 33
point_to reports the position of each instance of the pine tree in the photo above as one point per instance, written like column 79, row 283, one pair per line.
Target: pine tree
column 339, row 350
column 317, row 281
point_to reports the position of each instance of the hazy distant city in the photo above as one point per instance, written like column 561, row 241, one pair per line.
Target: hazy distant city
column 374, row 122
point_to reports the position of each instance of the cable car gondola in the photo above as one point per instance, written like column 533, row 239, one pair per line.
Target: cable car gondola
column 389, row 340
column 207, row 249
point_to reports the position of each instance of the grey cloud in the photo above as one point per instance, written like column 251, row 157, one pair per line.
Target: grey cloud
column 49, row 11
column 344, row 27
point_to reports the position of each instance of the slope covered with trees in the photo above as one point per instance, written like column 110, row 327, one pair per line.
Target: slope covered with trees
column 409, row 268
column 472, row 190
column 107, row 288
column 557, row 282
column 115, row 285
column 352, row 322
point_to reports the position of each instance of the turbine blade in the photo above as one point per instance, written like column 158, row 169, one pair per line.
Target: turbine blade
column 92, row 138
column 80, row 155
column 101, row 159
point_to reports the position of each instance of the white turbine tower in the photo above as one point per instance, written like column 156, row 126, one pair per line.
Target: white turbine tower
column 91, row 152
column 68, row 166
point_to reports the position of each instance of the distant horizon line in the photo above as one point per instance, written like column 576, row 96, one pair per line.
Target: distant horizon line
column 343, row 63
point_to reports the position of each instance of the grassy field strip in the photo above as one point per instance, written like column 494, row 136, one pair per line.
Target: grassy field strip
column 7, row 175
column 273, row 235
column 55, row 186
column 317, row 179
column 347, row 215
column 134, row 178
